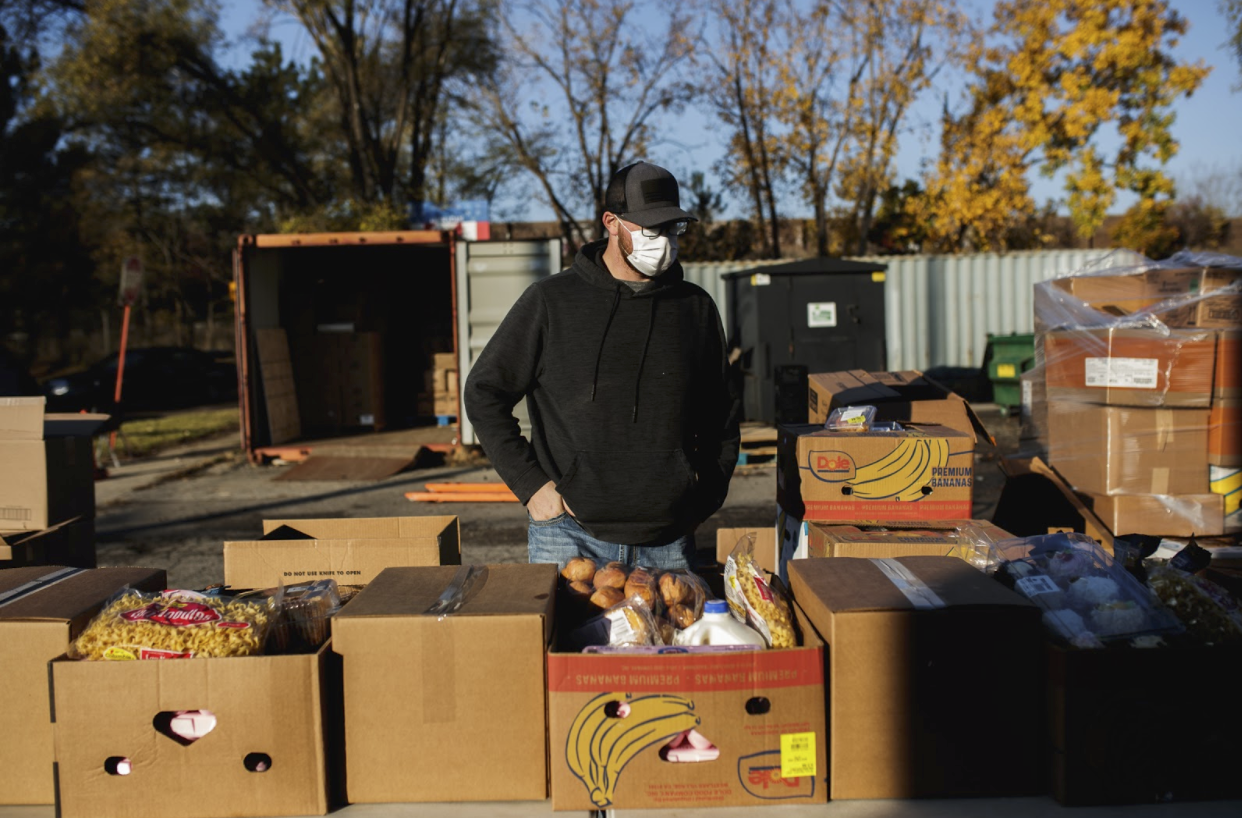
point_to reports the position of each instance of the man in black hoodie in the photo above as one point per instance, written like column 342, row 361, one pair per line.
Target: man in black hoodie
column 634, row 429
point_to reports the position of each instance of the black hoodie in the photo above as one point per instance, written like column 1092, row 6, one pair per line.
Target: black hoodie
column 631, row 412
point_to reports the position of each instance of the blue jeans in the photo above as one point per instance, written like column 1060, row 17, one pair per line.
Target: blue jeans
column 560, row 539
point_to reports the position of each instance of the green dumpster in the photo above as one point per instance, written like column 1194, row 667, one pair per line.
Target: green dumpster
column 1008, row 356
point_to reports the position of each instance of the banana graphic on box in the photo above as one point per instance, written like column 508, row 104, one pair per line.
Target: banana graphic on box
column 902, row 473
column 612, row 728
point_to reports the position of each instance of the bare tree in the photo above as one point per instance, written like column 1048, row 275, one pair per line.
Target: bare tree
column 747, row 65
column 388, row 62
column 580, row 96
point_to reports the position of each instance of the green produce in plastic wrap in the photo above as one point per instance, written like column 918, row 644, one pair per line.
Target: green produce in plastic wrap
column 1209, row 613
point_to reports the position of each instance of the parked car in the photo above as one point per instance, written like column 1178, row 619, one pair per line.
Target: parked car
column 15, row 380
column 154, row 378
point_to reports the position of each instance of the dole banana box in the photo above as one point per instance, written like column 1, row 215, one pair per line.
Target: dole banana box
column 907, row 472
column 756, row 716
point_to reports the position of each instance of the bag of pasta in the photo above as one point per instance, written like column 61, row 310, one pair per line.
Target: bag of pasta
column 175, row 625
column 753, row 600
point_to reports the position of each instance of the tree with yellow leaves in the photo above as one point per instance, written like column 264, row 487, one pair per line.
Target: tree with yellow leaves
column 1049, row 76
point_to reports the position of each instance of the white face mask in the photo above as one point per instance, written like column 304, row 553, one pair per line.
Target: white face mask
column 650, row 256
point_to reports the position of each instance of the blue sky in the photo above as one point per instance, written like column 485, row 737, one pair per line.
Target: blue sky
column 1207, row 125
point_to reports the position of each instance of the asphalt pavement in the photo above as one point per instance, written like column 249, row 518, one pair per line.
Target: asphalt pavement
column 175, row 511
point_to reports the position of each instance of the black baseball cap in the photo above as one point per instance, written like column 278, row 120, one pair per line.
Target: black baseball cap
column 646, row 195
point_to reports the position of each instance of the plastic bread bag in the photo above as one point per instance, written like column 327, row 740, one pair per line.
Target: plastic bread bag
column 302, row 615
column 176, row 625
column 682, row 594
column 1088, row 599
column 628, row 623
column 851, row 419
column 1210, row 614
column 754, row 601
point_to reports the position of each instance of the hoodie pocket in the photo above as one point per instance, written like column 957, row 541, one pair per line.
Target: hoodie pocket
column 628, row 486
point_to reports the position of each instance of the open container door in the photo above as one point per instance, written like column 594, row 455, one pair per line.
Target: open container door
column 490, row 278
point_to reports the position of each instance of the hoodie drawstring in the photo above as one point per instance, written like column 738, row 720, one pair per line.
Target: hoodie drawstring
column 616, row 299
column 643, row 360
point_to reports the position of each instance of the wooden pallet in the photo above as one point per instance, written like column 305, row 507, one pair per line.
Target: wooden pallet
column 758, row 445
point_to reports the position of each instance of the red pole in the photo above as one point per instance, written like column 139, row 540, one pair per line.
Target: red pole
column 120, row 368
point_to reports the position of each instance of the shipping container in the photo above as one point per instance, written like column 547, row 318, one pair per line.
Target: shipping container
column 341, row 335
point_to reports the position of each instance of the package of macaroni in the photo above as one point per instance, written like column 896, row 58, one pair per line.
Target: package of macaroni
column 754, row 600
column 175, row 625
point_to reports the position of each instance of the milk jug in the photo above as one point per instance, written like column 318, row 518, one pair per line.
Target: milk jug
column 718, row 627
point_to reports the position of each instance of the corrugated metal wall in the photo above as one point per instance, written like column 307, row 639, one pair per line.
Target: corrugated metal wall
column 939, row 310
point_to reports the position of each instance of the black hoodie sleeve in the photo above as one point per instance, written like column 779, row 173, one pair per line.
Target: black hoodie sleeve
column 718, row 435
column 504, row 372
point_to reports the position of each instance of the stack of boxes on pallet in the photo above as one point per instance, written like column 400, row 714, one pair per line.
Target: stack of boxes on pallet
column 342, row 383
column 1142, row 412
column 47, row 486
column 440, row 387
column 867, row 519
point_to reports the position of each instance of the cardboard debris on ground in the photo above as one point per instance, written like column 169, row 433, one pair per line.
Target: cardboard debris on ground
column 326, row 467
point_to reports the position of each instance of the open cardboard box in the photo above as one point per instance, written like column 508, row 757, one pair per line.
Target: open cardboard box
column 452, row 707
column 766, row 552
column 931, row 538
column 764, row 710
column 42, row 610
column 351, row 551
column 908, row 397
column 919, row 473
column 267, row 754
column 933, row 678
column 69, row 543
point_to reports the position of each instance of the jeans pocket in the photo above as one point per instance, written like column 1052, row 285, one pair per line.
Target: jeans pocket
column 560, row 518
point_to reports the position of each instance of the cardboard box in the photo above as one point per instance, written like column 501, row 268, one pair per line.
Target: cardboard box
column 1128, row 293
column 1228, row 380
column 934, row 538
column 1119, row 450
column 352, row 551
column 909, row 674
column 1201, row 515
column 1093, row 696
column 1131, row 367
column 45, row 482
column 42, row 610
column 1211, row 309
column 1226, row 481
column 21, row 418
column 1225, row 433
column 447, row 708
column 437, row 404
column 764, row 710
column 766, row 552
column 69, row 543
column 921, row 473
column 274, row 711
column 907, row 397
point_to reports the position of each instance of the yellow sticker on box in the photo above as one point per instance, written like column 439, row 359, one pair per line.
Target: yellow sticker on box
column 1005, row 371
column 797, row 755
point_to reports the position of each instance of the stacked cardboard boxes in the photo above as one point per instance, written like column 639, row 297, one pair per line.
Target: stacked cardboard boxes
column 340, row 382
column 916, row 464
column 47, row 486
column 440, row 387
column 1140, row 377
